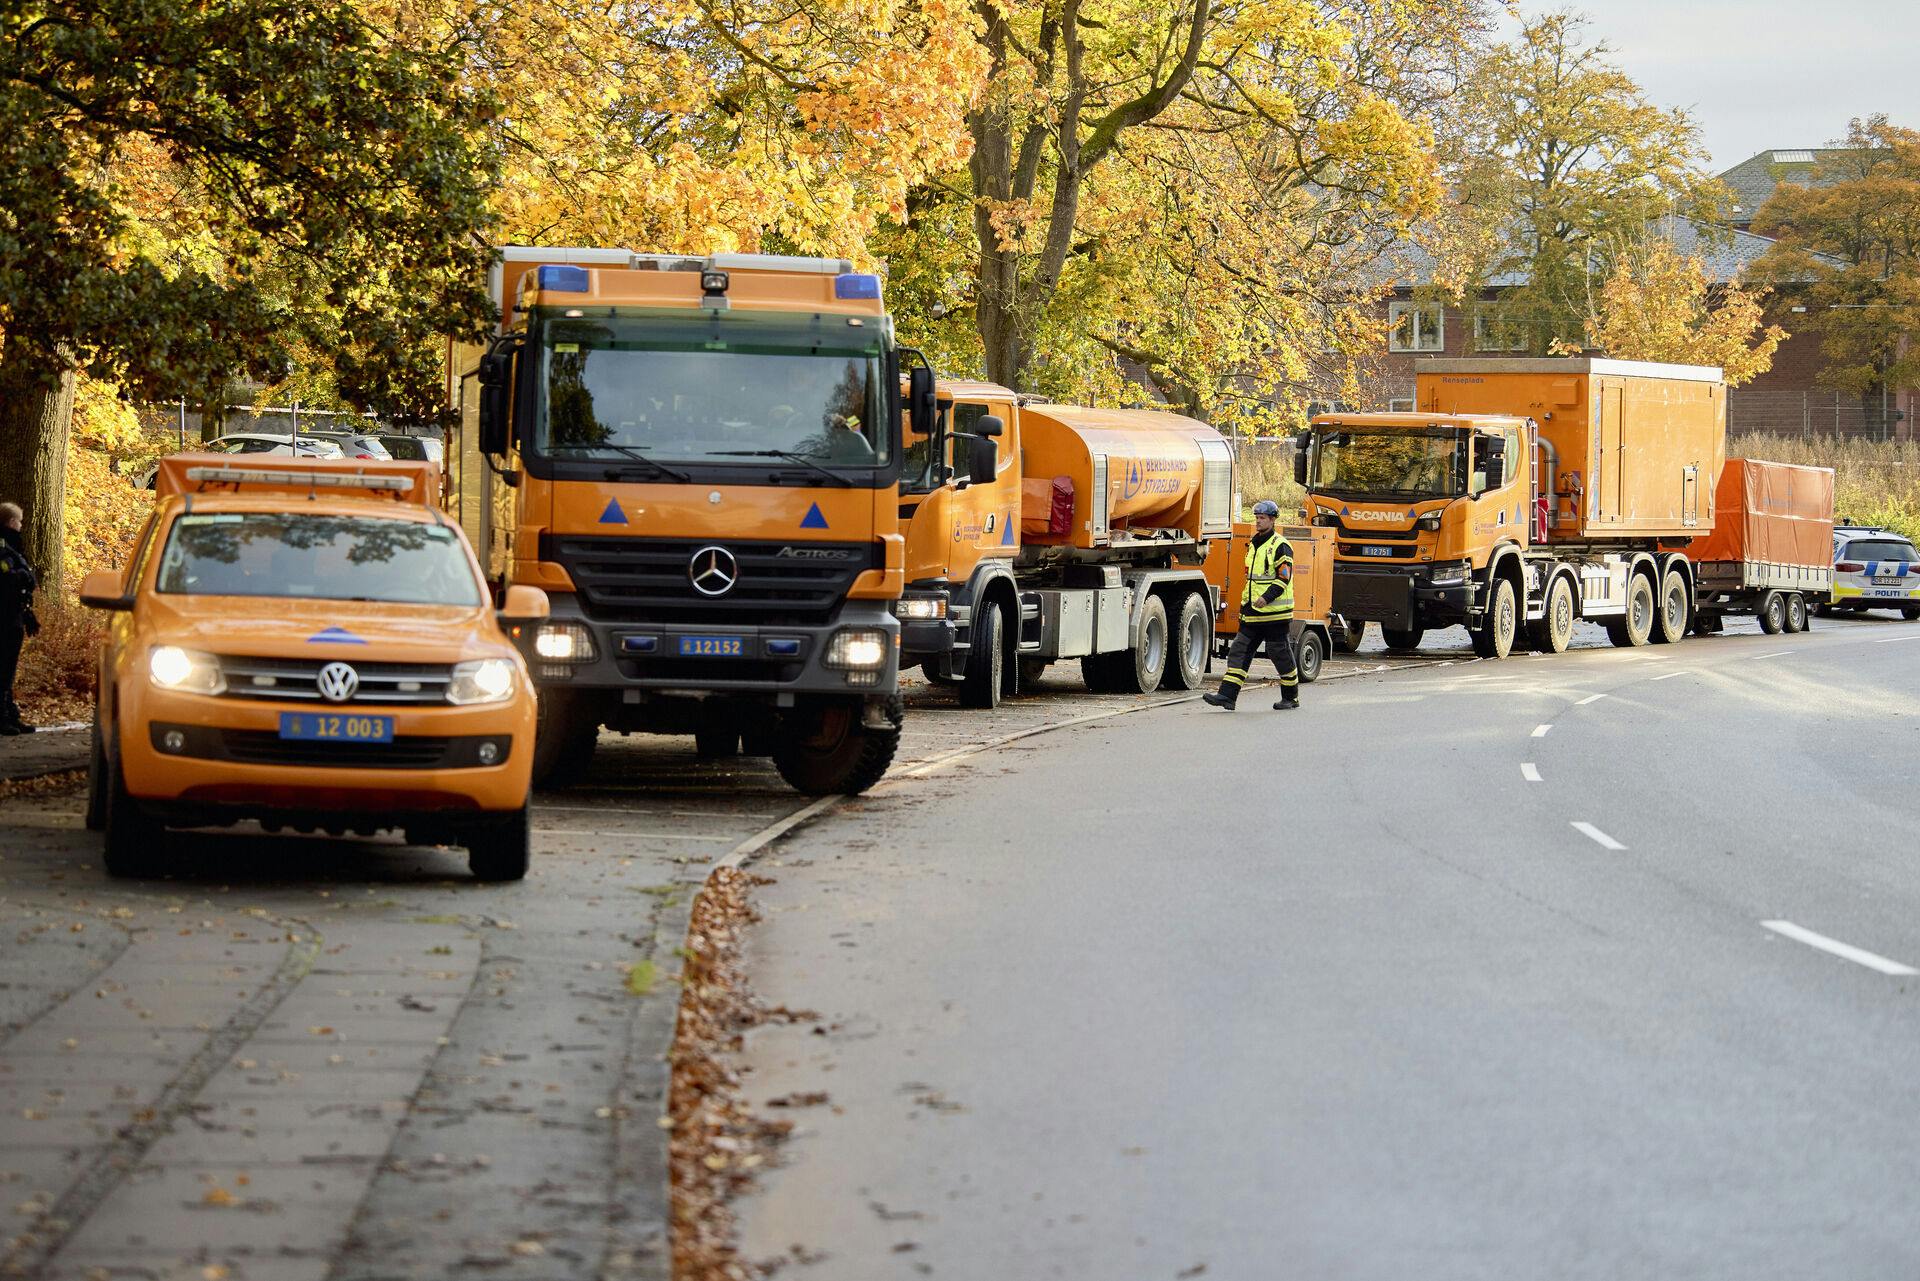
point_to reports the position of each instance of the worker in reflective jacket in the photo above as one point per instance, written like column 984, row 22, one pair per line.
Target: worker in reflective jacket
column 1266, row 614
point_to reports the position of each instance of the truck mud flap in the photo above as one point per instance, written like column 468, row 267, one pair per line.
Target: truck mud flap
column 1386, row 599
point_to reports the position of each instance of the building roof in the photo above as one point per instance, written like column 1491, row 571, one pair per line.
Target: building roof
column 1725, row 253
column 1754, row 178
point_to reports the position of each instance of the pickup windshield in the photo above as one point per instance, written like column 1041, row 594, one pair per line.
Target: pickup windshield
column 1404, row 464
column 712, row 389
column 316, row 558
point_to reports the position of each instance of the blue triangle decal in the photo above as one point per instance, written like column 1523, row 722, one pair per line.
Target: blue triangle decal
column 1006, row 539
column 613, row 515
column 813, row 519
column 334, row 636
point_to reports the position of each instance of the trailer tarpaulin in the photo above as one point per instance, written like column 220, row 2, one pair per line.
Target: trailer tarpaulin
column 1777, row 513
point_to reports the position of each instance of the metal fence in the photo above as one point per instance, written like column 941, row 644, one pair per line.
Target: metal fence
column 1815, row 413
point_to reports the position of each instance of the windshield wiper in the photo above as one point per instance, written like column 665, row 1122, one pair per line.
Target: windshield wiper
column 787, row 454
column 628, row 451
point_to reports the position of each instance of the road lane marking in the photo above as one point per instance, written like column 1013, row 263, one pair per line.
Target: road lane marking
column 649, row 836
column 1667, row 676
column 1606, row 842
column 1540, row 731
column 1859, row 956
column 1530, row 772
column 1591, row 698
column 1773, row 654
column 1888, row 640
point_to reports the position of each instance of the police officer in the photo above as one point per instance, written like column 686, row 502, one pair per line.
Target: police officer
column 1266, row 613
column 16, row 614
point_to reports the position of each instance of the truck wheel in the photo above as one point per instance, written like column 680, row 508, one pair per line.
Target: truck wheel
column 1773, row 614
column 1796, row 620
column 1031, row 670
column 1347, row 636
column 1495, row 637
column 1553, row 631
column 1310, row 656
column 1142, row 666
column 135, row 841
column 97, row 780
column 828, row 751
column 1670, row 623
column 716, row 742
column 562, row 746
column 1192, row 639
column 499, row 847
column 1399, row 641
column 983, row 684
column 1910, row 612
column 1632, row 629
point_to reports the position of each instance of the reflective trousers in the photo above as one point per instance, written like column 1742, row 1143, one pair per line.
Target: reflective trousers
column 1277, row 636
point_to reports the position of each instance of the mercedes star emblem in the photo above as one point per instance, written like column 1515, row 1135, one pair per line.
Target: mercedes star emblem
column 338, row 682
column 713, row 571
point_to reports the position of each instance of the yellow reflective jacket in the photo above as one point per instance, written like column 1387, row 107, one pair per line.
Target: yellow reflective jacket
column 1269, row 567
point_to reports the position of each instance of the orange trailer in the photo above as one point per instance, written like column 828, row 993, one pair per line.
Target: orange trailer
column 1771, row 549
column 1313, row 637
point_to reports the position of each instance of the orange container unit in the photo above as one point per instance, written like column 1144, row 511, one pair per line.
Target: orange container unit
column 1630, row 449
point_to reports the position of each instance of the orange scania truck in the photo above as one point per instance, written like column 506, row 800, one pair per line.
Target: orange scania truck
column 697, row 458
column 1520, row 495
column 1039, row 532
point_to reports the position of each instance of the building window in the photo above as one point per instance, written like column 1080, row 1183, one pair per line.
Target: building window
column 1415, row 327
column 1487, row 335
column 1400, row 406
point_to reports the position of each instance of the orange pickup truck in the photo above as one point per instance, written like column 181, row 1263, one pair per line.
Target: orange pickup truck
column 309, row 644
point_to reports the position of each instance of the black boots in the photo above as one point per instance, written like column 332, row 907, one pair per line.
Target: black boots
column 1226, row 696
column 1289, row 700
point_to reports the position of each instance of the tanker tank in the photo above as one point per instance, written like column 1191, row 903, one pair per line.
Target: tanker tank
column 1135, row 475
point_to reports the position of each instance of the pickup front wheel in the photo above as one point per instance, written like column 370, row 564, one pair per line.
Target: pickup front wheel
column 136, row 843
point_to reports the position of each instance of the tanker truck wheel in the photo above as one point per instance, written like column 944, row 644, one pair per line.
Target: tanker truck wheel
column 1670, row 623
column 826, row 750
column 1773, row 613
column 1796, row 620
column 1141, row 667
column 1192, row 639
column 985, row 680
column 1401, row 641
column 1632, row 629
column 1495, row 637
column 1553, row 632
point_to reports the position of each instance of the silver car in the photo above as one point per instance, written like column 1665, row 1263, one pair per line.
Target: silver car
column 1875, row 568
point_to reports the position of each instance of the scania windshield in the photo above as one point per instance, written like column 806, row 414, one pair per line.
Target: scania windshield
column 651, row 392
column 1398, row 464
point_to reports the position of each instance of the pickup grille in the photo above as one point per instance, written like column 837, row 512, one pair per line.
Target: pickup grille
column 647, row 580
column 297, row 680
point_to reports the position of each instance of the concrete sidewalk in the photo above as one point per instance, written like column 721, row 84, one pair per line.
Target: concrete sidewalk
column 49, row 751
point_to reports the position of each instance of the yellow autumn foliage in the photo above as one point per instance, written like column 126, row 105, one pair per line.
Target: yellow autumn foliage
column 1657, row 305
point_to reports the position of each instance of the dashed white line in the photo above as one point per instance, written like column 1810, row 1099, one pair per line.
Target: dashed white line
column 1540, row 731
column 1606, row 842
column 1667, row 676
column 1888, row 640
column 1859, row 956
column 1591, row 698
column 1530, row 772
column 1770, row 654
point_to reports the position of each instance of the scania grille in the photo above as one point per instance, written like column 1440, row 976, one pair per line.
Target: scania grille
column 648, row 580
column 298, row 680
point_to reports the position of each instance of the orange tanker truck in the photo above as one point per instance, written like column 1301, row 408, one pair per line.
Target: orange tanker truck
column 697, row 459
column 1038, row 533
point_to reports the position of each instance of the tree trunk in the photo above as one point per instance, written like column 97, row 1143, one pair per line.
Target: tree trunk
column 34, row 422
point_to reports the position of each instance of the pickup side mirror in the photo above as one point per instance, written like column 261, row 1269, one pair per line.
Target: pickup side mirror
column 496, row 399
column 102, row 590
column 524, row 604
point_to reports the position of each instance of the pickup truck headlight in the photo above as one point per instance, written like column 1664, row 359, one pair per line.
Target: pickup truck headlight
column 188, row 670
column 483, row 680
column 920, row 608
column 1448, row 573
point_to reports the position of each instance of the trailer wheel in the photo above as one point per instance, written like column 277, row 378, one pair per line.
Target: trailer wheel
column 1400, row 641
column 1632, row 629
column 1310, row 657
column 1773, row 613
column 985, row 679
column 1553, row 631
column 1347, row 636
column 1796, row 620
column 1670, row 624
column 1140, row 668
column 1192, row 638
column 828, row 750
column 1495, row 637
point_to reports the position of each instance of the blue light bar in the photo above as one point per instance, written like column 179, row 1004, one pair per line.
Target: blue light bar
column 856, row 285
column 568, row 280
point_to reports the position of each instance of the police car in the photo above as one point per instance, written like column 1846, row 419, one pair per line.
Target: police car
column 1875, row 568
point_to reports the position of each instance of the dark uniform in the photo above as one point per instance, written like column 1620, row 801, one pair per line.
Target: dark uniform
column 1266, row 618
column 17, row 583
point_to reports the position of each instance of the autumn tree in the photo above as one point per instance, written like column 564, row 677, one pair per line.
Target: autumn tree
column 334, row 170
column 1574, row 163
column 1659, row 306
column 1850, row 241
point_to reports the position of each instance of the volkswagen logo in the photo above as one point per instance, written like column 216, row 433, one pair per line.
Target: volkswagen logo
column 337, row 682
column 713, row 571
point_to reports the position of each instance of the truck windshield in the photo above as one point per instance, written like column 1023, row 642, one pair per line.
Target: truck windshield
column 712, row 388
column 1406, row 464
column 316, row 558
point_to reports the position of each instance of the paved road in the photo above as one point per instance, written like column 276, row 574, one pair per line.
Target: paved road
column 315, row 1058
column 1598, row 965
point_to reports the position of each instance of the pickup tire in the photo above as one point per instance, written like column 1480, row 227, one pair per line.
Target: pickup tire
column 1140, row 668
column 1773, row 613
column 1401, row 641
column 500, row 847
column 1495, row 637
column 97, row 779
column 1670, row 622
column 562, row 746
column 1192, row 639
column 1796, row 620
column 1632, row 629
column 136, row 842
column 828, row 751
column 985, row 681
column 1552, row 632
